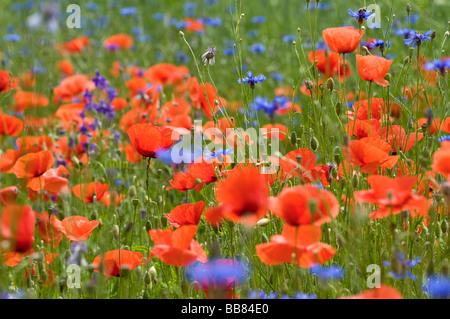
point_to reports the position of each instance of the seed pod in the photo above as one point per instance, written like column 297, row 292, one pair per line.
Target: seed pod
column 294, row 138
column 148, row 225
column 115, row 232
column 147, row 278
column 263, row 222
column 93, row 215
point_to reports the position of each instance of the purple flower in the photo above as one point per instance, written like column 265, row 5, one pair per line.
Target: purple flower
column 252, row 80
column 417, row 38
column 100, row 81
column 209, row 56
column 78, row 250
column 400, row 266
column 361, row 14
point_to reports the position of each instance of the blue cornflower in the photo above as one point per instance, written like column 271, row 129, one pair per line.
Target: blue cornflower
column 444, row 138
column 378, row 44
column 219, row 154
column 438, row 65
column 257, row 48
column 327, row 273
column 128, row 11
column 212, row 22
column 91, row 6
column 158, row 16
column 361, row 14
column 210, row 2
column 277, row 76
column 438, row 286
column 228, row 51
column 261, row 294
column 321, row 6
column 252, row 33
column 189, row 9
column 298, row 295
column 400, row 267
column 181, row 57
column 78, row 249
column 259, row 19
column 417, row 38
column 12, row 37
column 209, row 57
column 405, row 32
column 413, row 18
column 251, row 80
column 288, row 38
column 263, row 104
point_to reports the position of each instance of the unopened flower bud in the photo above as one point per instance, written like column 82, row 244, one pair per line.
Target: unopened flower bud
column 148, row 225
column 408, row 8
column 294, row 138
column 330, row 84
column 263, row 222
column 314, row 143
column 132, row 191
column 115, row 231
column 181, row 34
column 433, row 35
column 355, row 181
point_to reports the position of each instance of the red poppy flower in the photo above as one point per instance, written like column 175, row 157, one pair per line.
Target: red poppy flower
column 75, row 45
column 373, row 68
column 6, row 82
column 55, row 181
column 186, row 214
column 148, row 139
column 86, row 192
column 8, row 195
column 33, row 144
column 276, row 131
column 119, row 41
column 329, row 63
column 24, row 100
column 108, row 263
column 10, row 125
column 177, row 248
column 193, row 25
column 378, row 108
column 203, row 171
column 309, row 251
column 73, row 85
column 384, row 292
column 166, row 73
column 369, row 153
column 12, row 258
column 393, row 195
column 182, row 182
column 65, row 67
column 397, row 137
column 17, row 226
column 78, row 228
column 305, row 204
column 441, row 159
column 238, row 203
column 342, row 39
column 308, row 171
column 50, row 229
column 32, row 166
column 360, row 128
column 114, row 197
column 206, row 104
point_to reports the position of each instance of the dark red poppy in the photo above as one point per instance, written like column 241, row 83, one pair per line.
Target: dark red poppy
column 177, row 248
column 112, row 263
column 186, row 214
column 17, row 227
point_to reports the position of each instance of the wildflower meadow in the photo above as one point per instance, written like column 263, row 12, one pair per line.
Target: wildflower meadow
column 209, row 149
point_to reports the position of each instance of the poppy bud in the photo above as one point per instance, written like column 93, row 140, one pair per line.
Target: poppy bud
column 337, row 154
column 132, row 191
column 334, row 172
column 406, row 60
column 444, row 226
column 408, row 8
column 129, row 227
column 264, row 238
column 115, row 232
column 147, row 278
column 330, row 84
column 93, row 215
column 314, row 143
column 263, row 222
column 148, row 225
column 338, row 108
column 135, row 202
column 433, row 35
column 181, row 34
column 153, row 276
column 355, row 181
column 294, row 138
